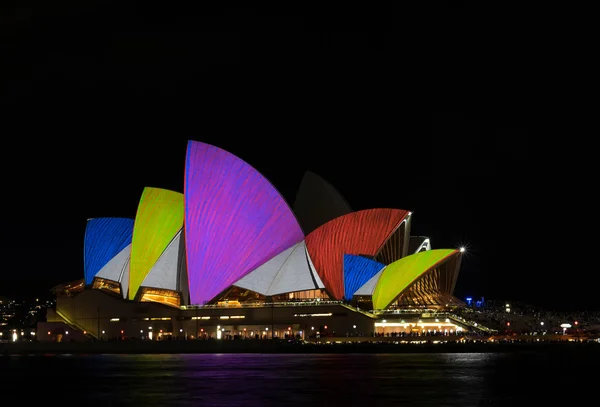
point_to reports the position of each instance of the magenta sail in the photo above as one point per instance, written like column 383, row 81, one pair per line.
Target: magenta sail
column 235, row 220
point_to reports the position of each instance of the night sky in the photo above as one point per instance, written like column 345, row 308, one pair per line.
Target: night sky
column 424, row 110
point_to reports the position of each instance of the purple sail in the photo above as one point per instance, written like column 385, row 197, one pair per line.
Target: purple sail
column 235, row 220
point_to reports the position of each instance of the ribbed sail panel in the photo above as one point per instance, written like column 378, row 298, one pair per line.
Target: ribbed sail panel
column 400, row 275
column 357, row 271
column 165, row 273
column 361, row 233
column 104, row 239
column 125, row 278
column 235, row 220
column 295, row 274
column 287, row 272
column 317, row 202
column 115, row 268
column 159, row 217
column 368, row 288
column 261, row 279
column 418, row 244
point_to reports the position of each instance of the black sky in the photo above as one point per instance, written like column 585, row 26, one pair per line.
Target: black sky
column 425, row 110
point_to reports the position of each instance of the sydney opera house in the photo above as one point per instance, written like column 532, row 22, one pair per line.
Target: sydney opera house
column 229, row 258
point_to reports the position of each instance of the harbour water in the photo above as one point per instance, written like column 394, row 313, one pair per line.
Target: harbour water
column 237, row 380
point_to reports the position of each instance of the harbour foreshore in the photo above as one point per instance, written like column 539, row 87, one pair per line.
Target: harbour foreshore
column 270, row 346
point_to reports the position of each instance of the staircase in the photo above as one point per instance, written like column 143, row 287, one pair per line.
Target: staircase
column 366, row 313
column 469, row 324
column 75, row 326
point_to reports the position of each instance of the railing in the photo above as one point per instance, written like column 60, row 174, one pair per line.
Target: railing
column 404, row 311
column 435, row 314
column 355, row 309
column 264, row 305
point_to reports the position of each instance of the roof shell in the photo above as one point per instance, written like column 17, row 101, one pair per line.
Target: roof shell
column 400, row 275
column 287, row 272
column 317, row 202
column 165, row 272
column 104, row 238
column 358, row 270
column 235, row 220
column 360, row 233
column 159, row 217
column 117, row 269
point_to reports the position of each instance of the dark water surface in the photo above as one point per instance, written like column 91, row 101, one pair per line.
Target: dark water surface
column 237, row 380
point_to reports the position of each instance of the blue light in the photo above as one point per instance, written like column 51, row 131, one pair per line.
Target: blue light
column 104, row 239
column 357, row 271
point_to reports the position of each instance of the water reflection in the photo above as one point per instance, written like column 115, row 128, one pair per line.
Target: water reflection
column 312, row 380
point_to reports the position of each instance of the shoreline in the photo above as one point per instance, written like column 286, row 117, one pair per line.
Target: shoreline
column 268, row 346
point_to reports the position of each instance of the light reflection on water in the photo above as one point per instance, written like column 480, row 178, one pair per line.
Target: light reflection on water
column 238, row 380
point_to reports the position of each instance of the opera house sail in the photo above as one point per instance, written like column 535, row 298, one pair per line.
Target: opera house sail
column 317, row 202
column 155, row 243
column 107, row 245
column 235, row 220
column 360, row 233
